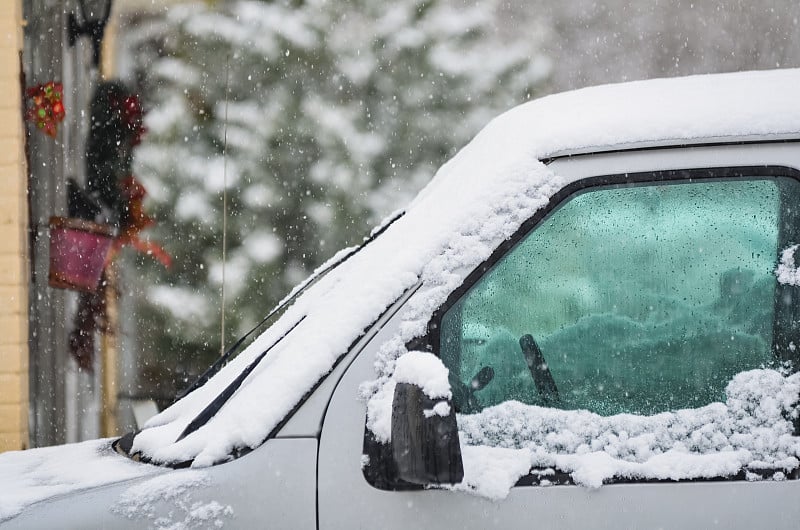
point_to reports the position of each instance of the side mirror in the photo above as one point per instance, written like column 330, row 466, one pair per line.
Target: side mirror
column 425, row 445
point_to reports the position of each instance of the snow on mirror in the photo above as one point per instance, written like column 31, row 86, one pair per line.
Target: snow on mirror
column 632, row 334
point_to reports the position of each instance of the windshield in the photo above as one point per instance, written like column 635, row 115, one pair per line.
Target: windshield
column 281, row 308
column 125, row 444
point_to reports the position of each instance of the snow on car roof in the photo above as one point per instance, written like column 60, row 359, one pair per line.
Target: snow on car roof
column 474, row 202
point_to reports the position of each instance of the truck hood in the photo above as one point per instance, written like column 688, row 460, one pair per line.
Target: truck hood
column 35, row 475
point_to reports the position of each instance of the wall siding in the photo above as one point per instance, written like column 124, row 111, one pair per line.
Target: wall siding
column 13, row 241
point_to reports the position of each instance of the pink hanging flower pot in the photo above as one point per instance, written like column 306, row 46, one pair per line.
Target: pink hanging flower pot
column 78, row 253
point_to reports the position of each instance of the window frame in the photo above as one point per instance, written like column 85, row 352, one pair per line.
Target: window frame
column 379, row 472
column 431, row 341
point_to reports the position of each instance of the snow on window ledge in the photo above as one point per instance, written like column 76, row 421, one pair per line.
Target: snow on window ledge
column 787, row 272
column 751, row 432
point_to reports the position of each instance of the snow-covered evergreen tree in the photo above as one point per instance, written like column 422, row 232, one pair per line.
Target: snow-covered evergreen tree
column 337, row 112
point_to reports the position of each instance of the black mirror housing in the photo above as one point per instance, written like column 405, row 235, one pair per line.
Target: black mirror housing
column 425, row 445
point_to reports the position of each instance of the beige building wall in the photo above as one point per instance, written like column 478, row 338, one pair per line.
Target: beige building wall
column 13, row 240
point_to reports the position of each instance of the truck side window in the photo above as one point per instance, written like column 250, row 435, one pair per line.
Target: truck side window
column 636, row 298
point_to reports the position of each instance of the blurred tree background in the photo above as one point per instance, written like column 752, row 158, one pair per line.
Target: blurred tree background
column 337, row 113
column 592, row 42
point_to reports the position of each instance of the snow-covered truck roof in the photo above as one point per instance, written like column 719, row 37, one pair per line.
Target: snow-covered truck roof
column 473, row 203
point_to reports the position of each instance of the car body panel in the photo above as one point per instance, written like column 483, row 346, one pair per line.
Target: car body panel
column 347, row 500
column 274, row 486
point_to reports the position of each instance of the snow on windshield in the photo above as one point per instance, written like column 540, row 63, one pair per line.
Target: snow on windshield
column 474, row 202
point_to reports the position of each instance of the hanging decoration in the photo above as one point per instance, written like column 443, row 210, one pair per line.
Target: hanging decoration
column 133, row 221
column 47, row 107
column 90, row 317
column 132, row 115
column 79, row 250
column 112, row 204
column 112, row 197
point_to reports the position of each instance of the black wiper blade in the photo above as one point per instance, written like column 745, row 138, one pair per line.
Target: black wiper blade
column 223, row 360
column 211, row 410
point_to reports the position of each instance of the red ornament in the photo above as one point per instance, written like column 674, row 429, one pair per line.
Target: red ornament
column 48, row 107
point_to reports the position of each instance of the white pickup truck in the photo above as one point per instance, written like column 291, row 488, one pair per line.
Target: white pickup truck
column 586, row 319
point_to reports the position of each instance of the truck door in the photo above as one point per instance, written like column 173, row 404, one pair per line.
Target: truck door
column 632, row 296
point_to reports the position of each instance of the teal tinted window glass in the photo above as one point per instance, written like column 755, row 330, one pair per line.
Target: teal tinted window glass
column 641, row 299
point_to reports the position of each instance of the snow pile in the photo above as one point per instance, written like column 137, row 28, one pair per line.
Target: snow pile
column 30, row 476
column 143, row 501
column 492, row 471
column 751, row 431
column 424, row 370
column 788, row 273
column 475, row 202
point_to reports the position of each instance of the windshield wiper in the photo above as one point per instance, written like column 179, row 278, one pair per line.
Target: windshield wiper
column 311, row 280
column 211, row 410
column 537, row 365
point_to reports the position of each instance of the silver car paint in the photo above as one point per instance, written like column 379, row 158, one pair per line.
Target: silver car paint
column 272, row 487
